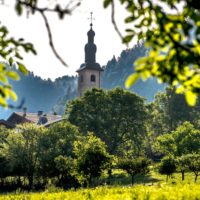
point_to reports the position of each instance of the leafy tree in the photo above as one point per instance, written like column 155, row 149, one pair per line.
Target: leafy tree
column 193, row 161
column 184, row 140
column 23, row 151
column 134, row 166
column 115, row 116
column 165, row 144
column 91, row 157
column 4, row 164
column 66, row 168
column 4, row 132
column 167, row 166
column 5, row 169
column 173, row 110
column 56, row 145
column 173, row 41
column 166, row 113
column 182, row 165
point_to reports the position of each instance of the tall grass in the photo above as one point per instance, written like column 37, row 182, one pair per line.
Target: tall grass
column 139, row 192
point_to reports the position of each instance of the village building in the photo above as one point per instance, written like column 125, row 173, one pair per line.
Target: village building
column 36, row 118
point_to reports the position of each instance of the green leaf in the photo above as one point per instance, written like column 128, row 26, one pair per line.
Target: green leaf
column 3, row 102
column 22, row 68
column 2, row 66
column 131, row 80
column 13, row 75
column 11, row 61
column 12, row 95
column 127, row 38
column 191, row 98
column 106, row 3
column 3, row 79
column 129, row 19
column 18, row 8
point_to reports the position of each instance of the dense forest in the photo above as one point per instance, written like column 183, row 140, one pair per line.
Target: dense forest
column 52, row 96
column 117, row 71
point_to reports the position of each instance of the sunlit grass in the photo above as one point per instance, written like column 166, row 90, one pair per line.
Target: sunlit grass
column 152, row 186
column 157, row 191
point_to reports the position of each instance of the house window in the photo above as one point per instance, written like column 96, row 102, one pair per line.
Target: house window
column 93, row 78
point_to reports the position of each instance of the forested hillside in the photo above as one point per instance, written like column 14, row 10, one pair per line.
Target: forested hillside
column 40, row 94
column 52, row 96
column 117, row 71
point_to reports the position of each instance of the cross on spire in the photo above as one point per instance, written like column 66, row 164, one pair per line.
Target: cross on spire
column 91, row 18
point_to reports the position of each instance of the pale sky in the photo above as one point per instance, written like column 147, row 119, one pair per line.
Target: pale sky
column 69, row 35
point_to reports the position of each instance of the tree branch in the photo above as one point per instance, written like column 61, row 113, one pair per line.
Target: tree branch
column 51, row 40
column 71, row 6
column 113, row 19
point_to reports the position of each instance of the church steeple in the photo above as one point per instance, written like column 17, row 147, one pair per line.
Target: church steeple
column 90, row 51
column 89, row 72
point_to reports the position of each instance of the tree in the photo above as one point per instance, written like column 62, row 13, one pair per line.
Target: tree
column 193, row 161
column 4, row 164
column 91, row 157
column 173, row 109
column 184, row 140
column 182, row 165
column 167, row 166
column 56, row 143
column 172, row 38
column 66, row 168
column 134, row 166
column 4, row 132
column 22, row 150
column 115, row 116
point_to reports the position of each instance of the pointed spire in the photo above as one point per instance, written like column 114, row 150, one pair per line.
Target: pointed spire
column 91, row 19
column 90, row 50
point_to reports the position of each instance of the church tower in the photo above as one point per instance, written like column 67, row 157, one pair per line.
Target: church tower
column 89, row 73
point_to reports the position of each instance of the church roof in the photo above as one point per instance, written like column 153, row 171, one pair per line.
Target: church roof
column 6, row 123
column 17, row 118
column 94, row 66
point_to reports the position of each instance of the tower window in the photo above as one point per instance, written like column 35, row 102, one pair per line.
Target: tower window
column 81, row 78
column 93, row 78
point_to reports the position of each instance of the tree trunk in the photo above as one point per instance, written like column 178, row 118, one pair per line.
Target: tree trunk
column 183, row 175
column 132, row 179
column 19, row 183
column 196, row 176
column 30, row 180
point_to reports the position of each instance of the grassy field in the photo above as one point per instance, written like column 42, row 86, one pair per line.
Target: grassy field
column 150, row 187
column 159, row 191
